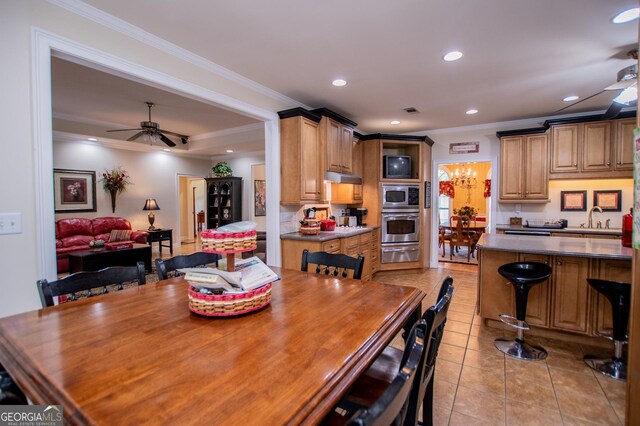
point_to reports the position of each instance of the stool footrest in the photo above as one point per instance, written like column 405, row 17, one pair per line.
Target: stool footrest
column 609, row 336
column 520, row 349
column 513, row 322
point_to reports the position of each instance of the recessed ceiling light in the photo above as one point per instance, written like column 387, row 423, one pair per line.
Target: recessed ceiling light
column 92, row 139
column 229, row 151
column 472, row 111
column 571, row 98
column 339, row 82
column 452, row 56
column 626, row 16
column 395, row 122
column 167, row 150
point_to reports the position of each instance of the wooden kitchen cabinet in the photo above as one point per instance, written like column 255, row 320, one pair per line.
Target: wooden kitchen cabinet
column 570, row 298
column 596, row 146
column 524, row 167
column 375, row 251
column 611, row 270
column 564, row 149
column 300, row 169
column 623, row 144
column 538, row 300
column 337, row 139
column 357, row 155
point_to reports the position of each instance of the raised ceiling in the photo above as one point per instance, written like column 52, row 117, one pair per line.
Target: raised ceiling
column 521, row 57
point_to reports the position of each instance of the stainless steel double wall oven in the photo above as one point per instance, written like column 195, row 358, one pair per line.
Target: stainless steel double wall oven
column 400, row 223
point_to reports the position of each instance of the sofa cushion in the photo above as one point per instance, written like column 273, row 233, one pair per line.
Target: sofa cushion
column 120, row 235
column 104, row 225
column 77, row 240
column 74, row 226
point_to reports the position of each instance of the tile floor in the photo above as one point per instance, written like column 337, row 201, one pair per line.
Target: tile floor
column 475, row 384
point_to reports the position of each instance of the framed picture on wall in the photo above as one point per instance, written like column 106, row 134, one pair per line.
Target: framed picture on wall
column 74, row 190
column 609, row 201
column 260, row 197
column 573, row 201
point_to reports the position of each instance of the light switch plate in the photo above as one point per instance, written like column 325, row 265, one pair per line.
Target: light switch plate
column 10, row 223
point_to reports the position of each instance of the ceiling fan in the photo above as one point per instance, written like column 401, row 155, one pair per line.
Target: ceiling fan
column 627, row 85
column 152, row 131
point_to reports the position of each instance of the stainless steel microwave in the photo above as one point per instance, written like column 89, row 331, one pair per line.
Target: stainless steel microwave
column 400, row 196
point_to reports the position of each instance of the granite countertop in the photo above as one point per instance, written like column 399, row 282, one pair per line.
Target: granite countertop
column 327, row 235
column 567, row 230
column 583, row 247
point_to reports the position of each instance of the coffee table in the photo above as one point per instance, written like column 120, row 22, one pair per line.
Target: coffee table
column 96, row 259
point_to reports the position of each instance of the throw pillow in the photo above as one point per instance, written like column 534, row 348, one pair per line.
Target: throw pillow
column 120, row 235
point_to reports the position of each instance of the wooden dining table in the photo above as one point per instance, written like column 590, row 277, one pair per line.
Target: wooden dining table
column 139, row 356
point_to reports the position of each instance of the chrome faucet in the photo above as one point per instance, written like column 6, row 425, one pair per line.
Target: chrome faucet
column 590, row 221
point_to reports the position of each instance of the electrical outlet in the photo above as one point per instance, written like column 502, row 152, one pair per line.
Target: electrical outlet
column 10, row 223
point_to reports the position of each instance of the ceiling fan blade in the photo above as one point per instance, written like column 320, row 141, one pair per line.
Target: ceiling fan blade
column 613, row 111
column 136, row 136
column 166, row 140
column 173, row 133
column 621, row 85
column 123, row 130
column 581, row 100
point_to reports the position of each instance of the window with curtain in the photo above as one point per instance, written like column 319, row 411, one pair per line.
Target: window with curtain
column 444, row 202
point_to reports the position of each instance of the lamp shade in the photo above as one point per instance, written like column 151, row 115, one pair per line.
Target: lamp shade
column 151, row 204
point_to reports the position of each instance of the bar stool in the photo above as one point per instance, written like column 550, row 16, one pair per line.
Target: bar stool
column 619, row 294
column 523, row 276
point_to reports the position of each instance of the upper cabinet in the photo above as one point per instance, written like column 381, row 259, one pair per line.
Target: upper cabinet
column 336, row 136
column 524, row 168
column 301, row 174
column 594, row 149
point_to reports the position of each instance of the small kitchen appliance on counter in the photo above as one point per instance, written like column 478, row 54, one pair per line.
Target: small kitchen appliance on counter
column 360, row 213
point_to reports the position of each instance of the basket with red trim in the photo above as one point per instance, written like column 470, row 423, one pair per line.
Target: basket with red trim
column 214, row 241
column 229, row 304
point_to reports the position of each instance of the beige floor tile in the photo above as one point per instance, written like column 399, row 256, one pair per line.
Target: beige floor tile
column 530, row 371
column 451, row 353
column 522, row 414
column 458, row 327
column 488, row 360
column 461, row 307
column 459, row 419
column 486, row 331
column 613, row 389
column 441, row 416
column 483, row 379
column 482, row 344
column 447, row 371
column 576, row 404
column 532, row 392
column 573, row 421
column 444, row 393
column 459, row 316
column 480, row 405
column 568, row 362
column 580, row 382
column 453, row 338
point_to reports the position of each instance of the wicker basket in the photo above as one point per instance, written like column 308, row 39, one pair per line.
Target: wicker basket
column 228, row 242
column 225, row 305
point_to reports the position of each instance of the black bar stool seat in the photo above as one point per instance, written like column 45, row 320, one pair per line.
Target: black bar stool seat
column 619, row 294
column 523, row 276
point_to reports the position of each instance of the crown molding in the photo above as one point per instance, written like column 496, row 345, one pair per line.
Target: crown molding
column 123, row 27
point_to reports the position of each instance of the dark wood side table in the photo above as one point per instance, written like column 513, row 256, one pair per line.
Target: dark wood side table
column 97, row 258
column 160, row 235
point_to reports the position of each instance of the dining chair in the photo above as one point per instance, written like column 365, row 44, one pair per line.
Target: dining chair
column 379, row 375
column 463, row 236
column 10, row 393
column 334, row 264
column 82, row 284
column 391, row 406
column 166, row 268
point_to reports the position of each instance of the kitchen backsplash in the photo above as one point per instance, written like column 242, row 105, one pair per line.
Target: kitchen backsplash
column 290, row 216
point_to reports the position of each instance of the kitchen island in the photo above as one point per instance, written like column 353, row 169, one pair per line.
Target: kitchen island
column 565, row 302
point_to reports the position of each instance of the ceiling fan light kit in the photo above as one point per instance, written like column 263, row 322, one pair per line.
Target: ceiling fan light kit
column 151, row 132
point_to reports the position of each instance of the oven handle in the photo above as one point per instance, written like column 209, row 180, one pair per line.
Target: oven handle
column 396, row 250
column 399, row 217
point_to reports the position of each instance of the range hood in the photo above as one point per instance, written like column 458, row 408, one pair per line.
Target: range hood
column 342, row 178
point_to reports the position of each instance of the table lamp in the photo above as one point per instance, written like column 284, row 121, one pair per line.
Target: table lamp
column 151, row 205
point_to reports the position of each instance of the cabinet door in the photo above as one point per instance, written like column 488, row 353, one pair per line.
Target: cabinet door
column 511, row 155
column 596, row 146
column 346, row 149
column 623, row 145
column 357, row 168
column 612, row 270
column 333, row 148
column 564, row 148
column 365, row 251
column 536, row 167
column 538, row 301
column 309, row 167
column 570, row 301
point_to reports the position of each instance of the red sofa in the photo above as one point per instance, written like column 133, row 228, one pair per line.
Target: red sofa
column 75, row 234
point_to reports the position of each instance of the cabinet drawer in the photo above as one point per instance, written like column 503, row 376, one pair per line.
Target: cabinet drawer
column 365, row 238
column 332, row 246
column 351, row 243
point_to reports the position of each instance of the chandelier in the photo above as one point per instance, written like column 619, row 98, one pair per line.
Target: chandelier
column 465, row 180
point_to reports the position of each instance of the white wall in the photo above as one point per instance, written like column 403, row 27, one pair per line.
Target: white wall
column 154, row 175
column 20, row 258
column 241, row 167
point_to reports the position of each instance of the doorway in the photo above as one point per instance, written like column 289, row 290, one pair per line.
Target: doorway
column 463, row 189
column 191, row 199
